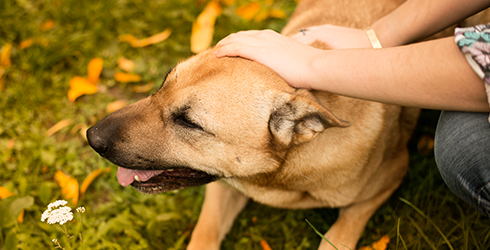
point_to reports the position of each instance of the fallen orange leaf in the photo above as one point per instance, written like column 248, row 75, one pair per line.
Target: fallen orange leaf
column 203, row 27
column 135, row 42
column 4, row 193
column 381, row 244
column 81, row 128
column 80, row 86
column 115, row 105
column 11, row 143
column 157, row 38
column 2, row 80
column 126, row 77
column 31, row 41
column 425, row 145
column 5, row 55
column 69, row 186
column 228, row 2
column 248, row 10
column 265, row 245
column 20, row 219
column 127, row 38
column 94, row 68
column 143, row 88
column 91, row 177
column 48, row 25
column 261, row 16
column 58, row 126
column 26, row 43
column 125, row 64
column 277, row 13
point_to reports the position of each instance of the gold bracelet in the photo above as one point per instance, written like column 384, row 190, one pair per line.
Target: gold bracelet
column 373, row 39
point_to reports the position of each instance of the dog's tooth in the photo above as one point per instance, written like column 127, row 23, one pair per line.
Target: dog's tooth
column 170, row 170
column 137, row 178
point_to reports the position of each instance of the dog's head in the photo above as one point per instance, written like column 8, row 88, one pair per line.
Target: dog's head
column 212, row 118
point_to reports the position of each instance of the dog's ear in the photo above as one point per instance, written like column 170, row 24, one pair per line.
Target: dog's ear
column 298, row 117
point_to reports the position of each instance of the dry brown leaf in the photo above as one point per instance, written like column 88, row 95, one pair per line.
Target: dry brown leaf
column 115, row 105
column 94, row 69
column 135, row 42
column 127, row 77
column 80, row 86
column 125, row 64
column 265, row 245
column 425, row 145
column 69, row 186
column 248, row 10
column 381, row 244
column 203, row 27
column 91, row 177
column 58, row 126
column 143, row 88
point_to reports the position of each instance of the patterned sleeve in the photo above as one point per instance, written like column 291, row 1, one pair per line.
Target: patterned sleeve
column 474, row 43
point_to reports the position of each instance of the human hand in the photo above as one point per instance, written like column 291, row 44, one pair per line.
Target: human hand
column 290, row 58
column 336, row 37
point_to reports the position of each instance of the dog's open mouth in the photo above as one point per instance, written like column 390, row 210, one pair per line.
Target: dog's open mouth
column 157, row 181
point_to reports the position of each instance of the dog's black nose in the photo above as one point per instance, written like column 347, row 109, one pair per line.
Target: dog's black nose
column 97, row 142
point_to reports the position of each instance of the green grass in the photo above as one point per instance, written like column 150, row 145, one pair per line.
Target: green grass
column 422, row 214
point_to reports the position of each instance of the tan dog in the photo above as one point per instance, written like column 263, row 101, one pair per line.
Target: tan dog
column 238, row 122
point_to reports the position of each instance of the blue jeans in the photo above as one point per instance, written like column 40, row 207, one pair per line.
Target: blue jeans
column 462, row 152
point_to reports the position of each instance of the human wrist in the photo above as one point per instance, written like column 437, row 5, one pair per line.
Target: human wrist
column 391, row 32
column 373, row 39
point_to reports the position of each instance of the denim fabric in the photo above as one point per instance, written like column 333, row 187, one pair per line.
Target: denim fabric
column 461, row 144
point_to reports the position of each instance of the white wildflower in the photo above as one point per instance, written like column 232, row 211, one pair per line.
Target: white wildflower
column 80, row 210
column 59, row 215
column 57, row 204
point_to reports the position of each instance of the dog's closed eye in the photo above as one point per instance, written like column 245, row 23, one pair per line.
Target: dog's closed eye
column 182, row 120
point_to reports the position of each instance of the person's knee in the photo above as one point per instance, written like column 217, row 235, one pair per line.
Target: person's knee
column 460, row 151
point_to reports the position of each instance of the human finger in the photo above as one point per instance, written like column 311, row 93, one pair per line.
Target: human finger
column 239, row 36
column 235, row 49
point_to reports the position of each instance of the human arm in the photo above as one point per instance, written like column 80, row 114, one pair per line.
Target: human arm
column 432, row 74
column 411, row 21
column 418, row 19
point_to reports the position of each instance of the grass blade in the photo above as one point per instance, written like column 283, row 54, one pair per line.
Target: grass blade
column 430, row 221
column 422, row 234
column 321, row 235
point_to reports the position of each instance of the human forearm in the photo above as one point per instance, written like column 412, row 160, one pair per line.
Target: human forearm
column 431, row 75
column 418, row 19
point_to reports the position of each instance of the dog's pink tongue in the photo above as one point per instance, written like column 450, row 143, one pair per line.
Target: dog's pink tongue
column 126, row 176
